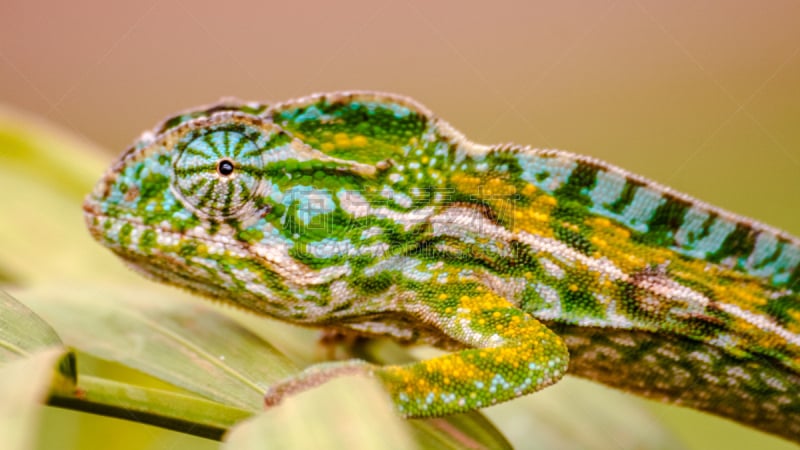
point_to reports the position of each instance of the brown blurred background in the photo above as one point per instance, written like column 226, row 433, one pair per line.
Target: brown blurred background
column 701, row 95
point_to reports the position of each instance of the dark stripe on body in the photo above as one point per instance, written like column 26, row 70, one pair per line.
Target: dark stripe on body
column 625, row 198
column 579, row 183
column 666, row 221
column 740, row 242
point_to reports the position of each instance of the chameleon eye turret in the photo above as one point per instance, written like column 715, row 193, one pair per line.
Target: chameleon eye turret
column 219, row 165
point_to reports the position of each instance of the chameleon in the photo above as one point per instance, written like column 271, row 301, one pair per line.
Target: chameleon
column 363, row 213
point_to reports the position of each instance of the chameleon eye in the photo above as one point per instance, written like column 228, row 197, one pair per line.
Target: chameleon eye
column 225, row 167
column 218, row 169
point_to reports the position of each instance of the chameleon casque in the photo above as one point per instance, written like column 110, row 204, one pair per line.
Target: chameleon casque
column 362, row 212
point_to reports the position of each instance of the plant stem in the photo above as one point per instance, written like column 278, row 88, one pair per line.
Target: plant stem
column 171, row 410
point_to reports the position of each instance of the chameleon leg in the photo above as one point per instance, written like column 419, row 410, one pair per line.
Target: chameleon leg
column 509, row 354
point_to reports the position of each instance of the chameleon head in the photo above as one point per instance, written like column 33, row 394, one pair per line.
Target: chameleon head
column 205, row 205
column 269, row 207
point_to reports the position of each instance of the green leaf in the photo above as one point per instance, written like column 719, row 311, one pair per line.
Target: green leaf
column 346, row 413
column 33, row 363
column 355, row 412
column 24, row 385
column 186, row 344
column 22, row 332
column 468, row 430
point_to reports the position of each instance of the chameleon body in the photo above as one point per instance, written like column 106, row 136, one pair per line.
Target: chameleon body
column 362, row 212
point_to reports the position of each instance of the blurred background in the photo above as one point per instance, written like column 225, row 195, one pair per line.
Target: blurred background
column 701, row 95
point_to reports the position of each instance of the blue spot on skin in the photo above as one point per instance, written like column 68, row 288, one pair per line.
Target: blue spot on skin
column 448, row 397
column 275, row 194
column 498, row 380
column 692, row 227
column 643, row 206
column 780, row 279
column 717, row 232
column 169, row 201
column 607, row 189
column 534, row 169
column 310, row 113
column 441, row 149
column 182, row 214
column 312, row 202
column 399, row 111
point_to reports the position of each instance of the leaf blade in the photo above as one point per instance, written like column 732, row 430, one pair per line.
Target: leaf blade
column 22, row 332
column 186, row 344
column 24, row 385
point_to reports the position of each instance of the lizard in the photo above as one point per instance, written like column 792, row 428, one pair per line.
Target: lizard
column 364, row 213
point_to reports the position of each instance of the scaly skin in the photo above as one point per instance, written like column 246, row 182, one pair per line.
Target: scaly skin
column 363, row 213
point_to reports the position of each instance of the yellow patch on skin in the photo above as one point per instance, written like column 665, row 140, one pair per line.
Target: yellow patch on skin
column 484, row 301
column 534, row 219
column 529, row 190
column 795, row 315
column 451, row 367
column 571, row 227
column 598, row 222
column 598, row 242
column 467, row 184
column 359, row 141
column 497, row 187
column 342, row 140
